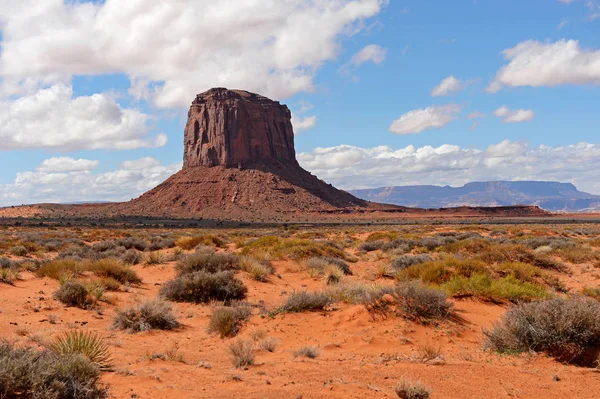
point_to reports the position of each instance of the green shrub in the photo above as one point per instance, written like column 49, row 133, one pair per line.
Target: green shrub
column 567, row 329
column 203, row 287
column 151, row 315
column 227, row 320
column 483, row 286
column 88, row 343
column 435, row 272
column 28, row 373
column 73, row 293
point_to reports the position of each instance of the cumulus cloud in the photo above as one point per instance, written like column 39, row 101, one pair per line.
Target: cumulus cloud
column 303, row 123
column 419, row 120
column 514, row 116
column 67, row 164
column 448, row 86
column 350, row 167
column 372, row 52
column 537, row 64
column 177, row 48
column 53, row 118
column 52, row 183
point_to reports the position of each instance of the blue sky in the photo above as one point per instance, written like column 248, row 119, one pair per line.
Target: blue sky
column 93, row 96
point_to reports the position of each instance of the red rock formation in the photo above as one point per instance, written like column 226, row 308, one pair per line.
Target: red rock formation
column 235, row 128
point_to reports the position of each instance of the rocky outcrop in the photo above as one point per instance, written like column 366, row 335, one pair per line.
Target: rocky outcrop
column 235, row 128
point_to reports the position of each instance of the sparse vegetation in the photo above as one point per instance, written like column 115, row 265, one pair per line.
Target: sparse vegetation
column 208, row 262
column 227, row 320
column 302, row 301
column 26, row 372
column 406, row 389
column 567, row 329
column 241, row 353
column 311, row 352
column 73, row 293
column 203, row 287
column 151, row 315
column 88, row 343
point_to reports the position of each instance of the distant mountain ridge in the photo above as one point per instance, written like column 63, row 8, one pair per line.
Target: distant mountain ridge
column 548, row 195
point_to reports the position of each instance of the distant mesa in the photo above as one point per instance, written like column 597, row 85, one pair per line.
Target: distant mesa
column 239, row 163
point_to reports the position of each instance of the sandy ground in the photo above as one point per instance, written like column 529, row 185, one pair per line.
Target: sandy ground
column 360, row 357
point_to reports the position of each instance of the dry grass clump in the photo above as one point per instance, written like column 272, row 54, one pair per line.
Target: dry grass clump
column 269, row 344
column 88, row 343
column 241, row 353
column 154, row 258
column 369, row 246
column 151, row 315
column 228, row 320
column 132, row 243
column 320, row 263
column 8, row 276
column 115, row 269
column 311, row 352
column 208, row 262
column 19, row 250
column 73, row 293
column 28, row 373
column 592, row 292
column 259, row 269
column 302, row 301
column 59, row 268
column 577, row 255
column 567, row 329
column 419, row 302
column 406, row 389
column 131, row 257
column 203, row 287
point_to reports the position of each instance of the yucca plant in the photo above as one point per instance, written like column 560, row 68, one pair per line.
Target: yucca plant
column 88, row 343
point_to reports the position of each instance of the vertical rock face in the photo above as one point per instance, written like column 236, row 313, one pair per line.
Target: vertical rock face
column 235, row 128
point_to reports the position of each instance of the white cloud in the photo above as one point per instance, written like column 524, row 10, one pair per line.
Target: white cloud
column 514, row 116
column 476, row 115
column 67, row 164
column 55, row 185
column 537, row 64
column 447, row 86
column 419, row 120
column 372, row 52
column 350, row 167
column 52, row 118
column 174, row 50
column 303, row 123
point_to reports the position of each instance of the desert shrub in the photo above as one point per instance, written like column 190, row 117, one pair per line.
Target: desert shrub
column 259, row 269
column 28, row 373
column 19, row 250
column 241, row 353
column 208, row 262
column 76, row 252
column 404, row 261
column 5, row 263
column 370, row 246
column 8, row 276
column 577, row 255
column 419, row 302
column 158, row 243
column 189, row 243
column 434, row 242
column 88, row 343
column 321, row 263
column 435, row 272
column 483, row 286
column 150, row 315
column 59, row 268
column 132, row 243
column 302, row 301
column 550, row 241
column 73, row 293
column 109, row 283
column 131, row 257
column 104, row 246
column 386, row 236
column 154, row 258
column 227, row 320
column 290, row 248
column 311, row 352
column 471, row 246
column 203, row 287
column 115, row 269
column 400, row 245
column 333, row 275
column 360, row 293
column 406, row 389
column 567, row 329
column 269, row 344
